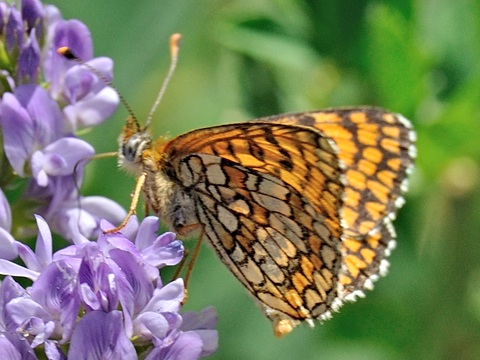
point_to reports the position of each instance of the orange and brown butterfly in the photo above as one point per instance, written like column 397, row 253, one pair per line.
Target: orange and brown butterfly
column 299, row 206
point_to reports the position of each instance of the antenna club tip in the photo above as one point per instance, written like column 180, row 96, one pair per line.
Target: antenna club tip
column 175, row 41
column 66, row 52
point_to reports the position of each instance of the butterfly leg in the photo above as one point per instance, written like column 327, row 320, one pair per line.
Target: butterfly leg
column 195, row 253
column 133, row 205
column 185, row 230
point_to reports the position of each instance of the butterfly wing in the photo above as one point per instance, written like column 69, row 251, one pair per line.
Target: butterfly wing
column 377, row 150
column 268, row 197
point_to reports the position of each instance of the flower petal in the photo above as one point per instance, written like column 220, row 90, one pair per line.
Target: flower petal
column 44, row 112
column 12, row 269
column 32, row 13
column 12, row 347
column 60, row 158
column 8, row 245
column 203, row 324
column 18, row 132
column 71, row 33
column 188, row 346
column 100, row 335
column 29, row 60
column 5, row 213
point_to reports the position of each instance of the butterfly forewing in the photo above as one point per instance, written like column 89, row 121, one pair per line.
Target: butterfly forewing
column 268, row 197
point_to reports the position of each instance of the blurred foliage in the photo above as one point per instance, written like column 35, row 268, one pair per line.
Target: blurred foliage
column 250, row 58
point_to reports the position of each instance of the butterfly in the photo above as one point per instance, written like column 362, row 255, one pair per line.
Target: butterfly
column 298, row 206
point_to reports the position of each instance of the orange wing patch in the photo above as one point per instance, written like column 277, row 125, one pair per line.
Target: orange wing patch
column 377, row 151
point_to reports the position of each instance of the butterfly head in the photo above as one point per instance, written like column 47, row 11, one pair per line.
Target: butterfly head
column 133, row 141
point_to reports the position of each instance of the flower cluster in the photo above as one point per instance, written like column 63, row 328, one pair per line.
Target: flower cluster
column 45, row 100
column 93, row 299
column 114, row 284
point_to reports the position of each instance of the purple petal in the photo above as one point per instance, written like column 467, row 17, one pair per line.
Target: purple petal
column 52, row 16
column 53, row 351
column 168, row 298
column 90, row 100
column 160, row 255
column 160, row 250
column 92, row 110
column 111, row 243
column 150, row 324
column 39, row 174
column 73, row 34
column 57, row 195
column 39, row 329
column 73, row 223
column 8, row 245
column 14, row 31
column 30, row 119
column 147, row 232
column 29, row 61
column 32, row 13
column 78, row 219
column 12, row 347
column 60, row 158
column 101, row 207
column 136, row 275
column 98, row 283
column 28, row 257
column 80, row 81
column 9, row 290
column 188, row 346
column 203, row 324
column 44, row 111
column 5, row 213
column 129, row 231
column 76, row 36
column 21, row 309
column 43, row 245
column 12, row 269
column 100, row 335
column 206, row 319
column 56, row 290
column 18, row 132
column 4, row 10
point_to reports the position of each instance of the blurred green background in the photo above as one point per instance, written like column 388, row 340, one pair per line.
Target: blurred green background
column 248, row 58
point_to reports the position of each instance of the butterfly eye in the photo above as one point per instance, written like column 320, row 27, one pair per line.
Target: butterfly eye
column 129, row 150
column 134, row 146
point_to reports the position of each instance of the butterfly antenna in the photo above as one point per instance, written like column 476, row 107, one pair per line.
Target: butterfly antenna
column 67, row 53
column 175, row 40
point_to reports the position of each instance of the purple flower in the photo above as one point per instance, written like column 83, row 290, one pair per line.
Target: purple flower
column 38, row 124
column 89, row 100
column 117, row 288
column 92, row 299
column 30, row 120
